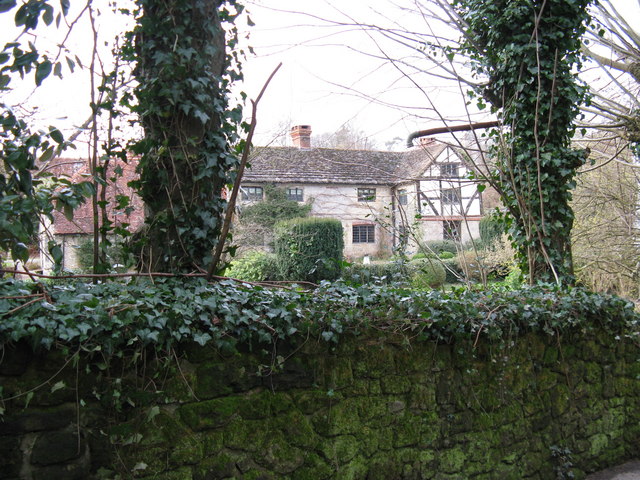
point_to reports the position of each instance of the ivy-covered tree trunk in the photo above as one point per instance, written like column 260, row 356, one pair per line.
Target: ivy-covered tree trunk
column 183, row 72
column 528, row 49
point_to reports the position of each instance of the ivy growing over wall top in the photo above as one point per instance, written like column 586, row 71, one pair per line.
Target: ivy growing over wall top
column 112, row 317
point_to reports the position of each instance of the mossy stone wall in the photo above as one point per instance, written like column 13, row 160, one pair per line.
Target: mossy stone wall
column 375, row 407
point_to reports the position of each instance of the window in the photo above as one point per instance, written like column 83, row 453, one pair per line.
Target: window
column 449, row 170
column 451, row 196
column 402, row 197
column 366, row 194
column 364, row 234
column 252, row 194
column 451, row 230
column 295, row 194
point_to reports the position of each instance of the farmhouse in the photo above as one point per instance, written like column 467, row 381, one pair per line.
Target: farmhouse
column 385, row 200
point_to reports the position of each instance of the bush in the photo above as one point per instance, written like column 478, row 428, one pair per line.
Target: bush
column 490, row 229
column 426, row 273
column 472, row 267
column 255, row 266
column 439, row 246
column 452, row 270
column 309, row 249
column 446, row 255
column 385, row 273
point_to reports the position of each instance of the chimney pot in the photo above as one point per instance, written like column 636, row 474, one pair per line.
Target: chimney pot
column 301, row 136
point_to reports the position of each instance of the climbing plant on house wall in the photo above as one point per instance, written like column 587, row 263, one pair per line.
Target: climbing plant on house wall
column 527, row 50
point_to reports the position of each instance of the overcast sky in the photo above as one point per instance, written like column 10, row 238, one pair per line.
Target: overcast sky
column 332, row 75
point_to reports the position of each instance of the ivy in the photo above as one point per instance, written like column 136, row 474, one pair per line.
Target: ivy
column 527, row 51
column 114, row 317
column 185, row 63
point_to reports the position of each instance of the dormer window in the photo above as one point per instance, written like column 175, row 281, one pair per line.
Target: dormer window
column 450, row 170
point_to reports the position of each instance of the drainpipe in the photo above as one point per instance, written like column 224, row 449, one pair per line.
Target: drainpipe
column 455, row 128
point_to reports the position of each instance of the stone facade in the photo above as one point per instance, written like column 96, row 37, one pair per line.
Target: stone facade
column 368, row 408
column 418, row 196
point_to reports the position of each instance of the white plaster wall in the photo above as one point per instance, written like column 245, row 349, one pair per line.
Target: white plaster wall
column 341, row 202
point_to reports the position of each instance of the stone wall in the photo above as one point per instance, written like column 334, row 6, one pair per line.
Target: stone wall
column 374, row 407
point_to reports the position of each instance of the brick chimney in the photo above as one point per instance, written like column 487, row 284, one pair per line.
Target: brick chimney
column 301, row 136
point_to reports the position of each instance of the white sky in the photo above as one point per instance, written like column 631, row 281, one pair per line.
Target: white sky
column 325, row 80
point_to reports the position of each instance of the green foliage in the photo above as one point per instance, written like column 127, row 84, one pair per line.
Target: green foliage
column 446, row 255
column 528, row 58
column 186, row 63
column 24, row 199
column 439, row 246
column 254, row 266
column 113, row 317
column 387, row 273
column 490, row 229
column 275, row 208
column 309, row 249
column 453, row 272
column 426, row 273
column 115, row 255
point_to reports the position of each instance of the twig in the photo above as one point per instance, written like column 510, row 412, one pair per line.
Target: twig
column 231, row 205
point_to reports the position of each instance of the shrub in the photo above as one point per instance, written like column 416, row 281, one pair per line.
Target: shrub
column 254, row 266
column 446, row 255
column 426, row 273
column 439, row 246
column 386, row 273
column 471, row 266
column 452, row 270
column 490, row 229
column 309, row 249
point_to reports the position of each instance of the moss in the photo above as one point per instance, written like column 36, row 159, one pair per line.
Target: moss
column 452, row 460
column 210, row 413
column 247, row 435
column 181, row 474
column 395, row 384
column 297, row 428
column 550, row 356
column 279, row 456
column 339, row 450
column 314, row 468
column 599, row 443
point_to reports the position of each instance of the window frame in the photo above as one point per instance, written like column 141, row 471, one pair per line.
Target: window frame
column 250, row 194
column 447, row 198
column 363, row 233
column 366, row 194
column 403, row 197
column 453, row 166
column 298, row 196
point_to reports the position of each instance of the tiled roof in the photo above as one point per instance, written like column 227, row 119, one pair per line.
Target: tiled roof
column 82, row 222
column 323, row 165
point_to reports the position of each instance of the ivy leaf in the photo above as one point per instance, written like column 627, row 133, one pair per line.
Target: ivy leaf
column 57, row 70
column 42, row 71
column 71, row 64
column 58, row 386
column 47, row 14
column 56, row 135
column 65, row 4
column 6, row 5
